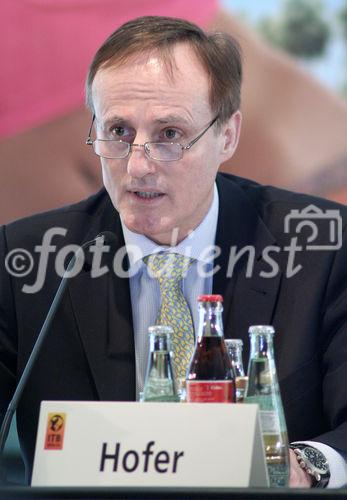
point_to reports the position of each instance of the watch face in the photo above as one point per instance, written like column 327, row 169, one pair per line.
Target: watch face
column 317, row 459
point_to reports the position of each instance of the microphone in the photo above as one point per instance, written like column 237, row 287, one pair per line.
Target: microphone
column 104, row 237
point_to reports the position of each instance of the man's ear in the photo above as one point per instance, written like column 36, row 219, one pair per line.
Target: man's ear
column 230, row 135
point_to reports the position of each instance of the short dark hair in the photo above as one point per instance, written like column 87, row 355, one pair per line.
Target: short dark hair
column 219, row 54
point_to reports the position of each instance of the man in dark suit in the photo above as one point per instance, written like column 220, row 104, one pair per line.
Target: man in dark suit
column 165, row 102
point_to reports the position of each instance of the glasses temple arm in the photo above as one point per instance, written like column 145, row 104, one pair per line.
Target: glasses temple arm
column 89, row 141
column 202, row 133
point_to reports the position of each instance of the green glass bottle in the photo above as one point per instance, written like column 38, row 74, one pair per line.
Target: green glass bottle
column 234, row 348
column 263, row 389
column 160, row 381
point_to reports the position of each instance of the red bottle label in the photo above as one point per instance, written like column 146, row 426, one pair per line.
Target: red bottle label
column 210, row 391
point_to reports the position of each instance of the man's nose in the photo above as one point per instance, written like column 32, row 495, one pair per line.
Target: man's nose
column 139, row 164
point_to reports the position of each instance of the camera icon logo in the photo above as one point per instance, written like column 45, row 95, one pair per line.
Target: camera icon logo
column 319, row 221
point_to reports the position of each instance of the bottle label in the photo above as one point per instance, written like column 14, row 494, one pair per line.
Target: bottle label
column 210, row 391
column 272, row 421
column 269, row 422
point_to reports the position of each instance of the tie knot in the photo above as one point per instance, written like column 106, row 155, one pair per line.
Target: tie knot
column 168, row 266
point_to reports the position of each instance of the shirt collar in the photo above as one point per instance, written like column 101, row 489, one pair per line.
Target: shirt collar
column 194, row 245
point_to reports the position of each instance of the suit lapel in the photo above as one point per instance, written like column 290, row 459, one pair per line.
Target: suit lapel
column 102, row 311
column 249, row 298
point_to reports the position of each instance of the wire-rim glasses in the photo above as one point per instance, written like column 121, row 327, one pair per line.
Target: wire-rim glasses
column 160, row 151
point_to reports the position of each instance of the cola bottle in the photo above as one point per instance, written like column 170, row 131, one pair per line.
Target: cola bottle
column 210, row 376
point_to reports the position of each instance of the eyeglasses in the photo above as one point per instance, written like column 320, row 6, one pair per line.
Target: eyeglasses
column 160, row 151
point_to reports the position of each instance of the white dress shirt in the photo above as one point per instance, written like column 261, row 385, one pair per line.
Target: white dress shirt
column 144, row 290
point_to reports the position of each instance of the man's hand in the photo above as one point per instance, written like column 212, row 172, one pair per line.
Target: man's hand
column 298, row 478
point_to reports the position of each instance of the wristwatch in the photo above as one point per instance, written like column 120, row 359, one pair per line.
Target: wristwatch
column 313, row 462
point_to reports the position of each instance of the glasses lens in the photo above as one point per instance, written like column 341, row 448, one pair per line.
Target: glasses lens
column 111, row 149
column 163, row 151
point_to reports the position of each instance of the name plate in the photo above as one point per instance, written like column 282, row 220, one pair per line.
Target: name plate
column 149, row 444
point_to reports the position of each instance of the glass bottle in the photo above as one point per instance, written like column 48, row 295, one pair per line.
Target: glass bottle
column 182, row 390
column 234, row 348
column 159, row 382
column 263, row 389
column 210, row 376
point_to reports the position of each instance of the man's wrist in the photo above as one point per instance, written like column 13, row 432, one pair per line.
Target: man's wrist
column 313, row 462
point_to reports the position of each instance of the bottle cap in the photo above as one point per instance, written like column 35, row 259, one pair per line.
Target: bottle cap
column 164, row 329
column 210, row 298
column 261, row 330
column 234, row 342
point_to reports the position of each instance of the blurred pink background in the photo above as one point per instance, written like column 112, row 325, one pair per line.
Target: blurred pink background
column 294, row 129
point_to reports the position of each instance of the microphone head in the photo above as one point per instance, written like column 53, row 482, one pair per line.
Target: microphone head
column 105, row 238
column 109, row 238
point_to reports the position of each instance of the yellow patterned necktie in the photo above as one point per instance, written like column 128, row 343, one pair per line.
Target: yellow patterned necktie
column 169, row 269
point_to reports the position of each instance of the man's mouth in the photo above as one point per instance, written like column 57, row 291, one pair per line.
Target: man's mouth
column 147, row 195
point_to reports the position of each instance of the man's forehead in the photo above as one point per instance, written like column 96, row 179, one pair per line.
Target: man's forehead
column 146, row 80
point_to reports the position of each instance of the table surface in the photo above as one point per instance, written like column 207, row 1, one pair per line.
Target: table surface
column 43, row 493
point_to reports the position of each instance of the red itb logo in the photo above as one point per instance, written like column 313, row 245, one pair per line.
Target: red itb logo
column 55, row 431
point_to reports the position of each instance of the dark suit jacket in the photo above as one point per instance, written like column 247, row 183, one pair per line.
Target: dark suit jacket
column 89, row 354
